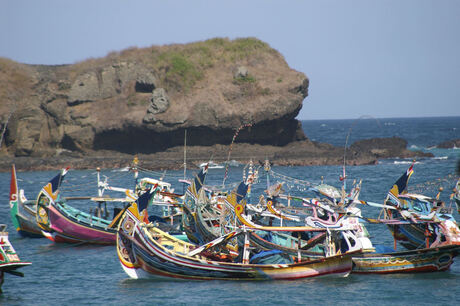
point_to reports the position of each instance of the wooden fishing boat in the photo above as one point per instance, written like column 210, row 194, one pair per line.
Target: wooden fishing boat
column 438, row 257
column 9, row 259
column 61, row 222
column 22, row 211
column 145, row 251
column 429, row 221
column 70, row 225
column 369, row 261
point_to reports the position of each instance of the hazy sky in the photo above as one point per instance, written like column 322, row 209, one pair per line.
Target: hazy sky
column 387, row 58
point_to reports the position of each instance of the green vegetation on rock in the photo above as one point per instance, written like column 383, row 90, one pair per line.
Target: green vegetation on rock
column 182, row 66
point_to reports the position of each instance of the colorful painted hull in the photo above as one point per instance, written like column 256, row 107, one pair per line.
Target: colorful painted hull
column 422, row 260
column 144, row 253
column 24, row 221
column 64, row 227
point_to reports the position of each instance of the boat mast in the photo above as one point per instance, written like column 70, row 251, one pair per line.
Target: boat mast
column 185, row 153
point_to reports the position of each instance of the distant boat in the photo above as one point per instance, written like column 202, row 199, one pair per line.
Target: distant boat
column 9, row 259
column 212, row 165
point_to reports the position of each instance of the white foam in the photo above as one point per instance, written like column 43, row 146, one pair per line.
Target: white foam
column 404, row 162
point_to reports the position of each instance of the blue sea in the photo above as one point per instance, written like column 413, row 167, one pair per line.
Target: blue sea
column 84, row 274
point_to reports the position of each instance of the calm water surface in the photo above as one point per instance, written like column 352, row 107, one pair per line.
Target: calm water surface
column 66, row 274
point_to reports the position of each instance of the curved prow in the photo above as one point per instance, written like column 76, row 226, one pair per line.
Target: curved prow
column 14, row 191
column 48, row 195
column 193, row 191
column 14, row 198
column 399, row 187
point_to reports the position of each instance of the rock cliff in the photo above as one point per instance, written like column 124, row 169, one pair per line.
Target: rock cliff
column 142, row 100
column 100, row 112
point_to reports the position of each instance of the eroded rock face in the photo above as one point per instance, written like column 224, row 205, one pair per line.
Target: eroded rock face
column 131, row 103
column 159, row 103
column 108, row 82
column 385, row 148
column 449, row 144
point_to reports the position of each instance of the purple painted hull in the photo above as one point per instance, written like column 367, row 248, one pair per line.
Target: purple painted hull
column 69, row 230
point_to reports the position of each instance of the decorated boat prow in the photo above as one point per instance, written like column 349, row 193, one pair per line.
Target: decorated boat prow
column 61, row 222
column 22, row 211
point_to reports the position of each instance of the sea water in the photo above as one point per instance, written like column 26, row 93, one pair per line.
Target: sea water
column 85, row 274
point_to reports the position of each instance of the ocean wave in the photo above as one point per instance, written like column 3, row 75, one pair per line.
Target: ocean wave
column 404, row 162
column 389, row 123
column 125, row 169
column 440, row 157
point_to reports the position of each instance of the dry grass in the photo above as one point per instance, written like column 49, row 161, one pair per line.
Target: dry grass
column 179, row 67
column 15, row 83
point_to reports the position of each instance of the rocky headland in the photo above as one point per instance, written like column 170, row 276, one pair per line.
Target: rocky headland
column 449, row 144
column 101, row 112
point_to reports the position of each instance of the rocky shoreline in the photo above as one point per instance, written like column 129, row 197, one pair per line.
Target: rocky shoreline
column 300, row 153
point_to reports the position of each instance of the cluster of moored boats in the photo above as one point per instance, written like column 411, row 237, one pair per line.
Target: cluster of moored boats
column 210, row 232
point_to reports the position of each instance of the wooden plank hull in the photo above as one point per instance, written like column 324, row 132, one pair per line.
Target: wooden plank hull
column 422, row 260
column 28, row 227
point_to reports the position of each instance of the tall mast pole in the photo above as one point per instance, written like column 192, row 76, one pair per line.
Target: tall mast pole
column 185, row 153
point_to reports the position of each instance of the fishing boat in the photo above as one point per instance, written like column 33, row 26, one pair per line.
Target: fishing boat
column 429, row 223
column 211, row 165
column 9, row 259
column 337, row 208
column 145, row 251
column 61, row 222
column 22, row 211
